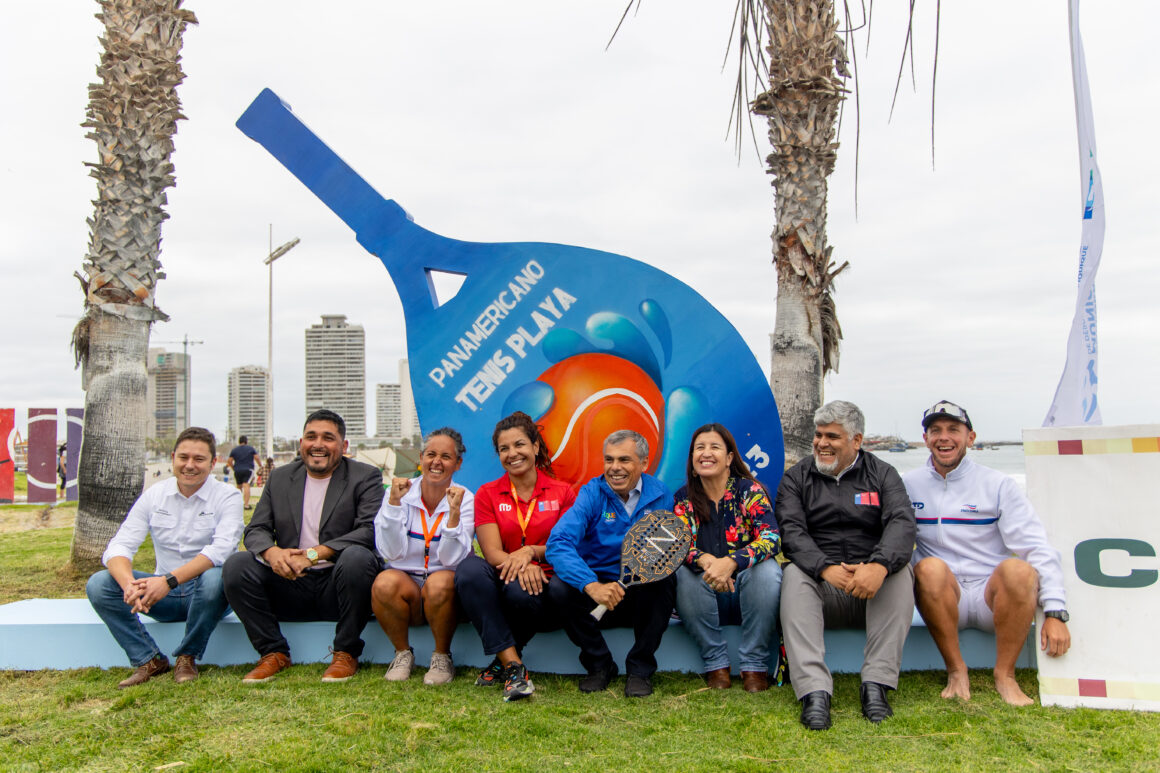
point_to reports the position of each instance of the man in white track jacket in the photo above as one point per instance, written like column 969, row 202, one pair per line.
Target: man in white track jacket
column 982, row 558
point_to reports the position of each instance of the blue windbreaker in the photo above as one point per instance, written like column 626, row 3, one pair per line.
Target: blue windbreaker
column 585, row 542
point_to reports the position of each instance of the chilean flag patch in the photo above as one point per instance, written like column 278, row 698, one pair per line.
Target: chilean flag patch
column 866, row 498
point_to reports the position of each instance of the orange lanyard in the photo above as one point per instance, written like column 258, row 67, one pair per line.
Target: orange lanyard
column 523, row 519
column 428, row 535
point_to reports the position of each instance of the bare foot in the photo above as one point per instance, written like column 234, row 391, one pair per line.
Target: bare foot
column 958, row 685
column 1010, row 691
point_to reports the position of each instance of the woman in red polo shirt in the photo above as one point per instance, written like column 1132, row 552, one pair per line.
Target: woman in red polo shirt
column 505, row 593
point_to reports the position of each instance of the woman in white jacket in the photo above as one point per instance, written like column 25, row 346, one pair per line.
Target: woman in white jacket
column 422, row 531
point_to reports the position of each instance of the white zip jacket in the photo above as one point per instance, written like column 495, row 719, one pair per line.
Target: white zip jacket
column 975, row 519
column 399, row 532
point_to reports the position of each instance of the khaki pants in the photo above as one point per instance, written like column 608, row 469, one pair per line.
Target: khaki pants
column 808, row 607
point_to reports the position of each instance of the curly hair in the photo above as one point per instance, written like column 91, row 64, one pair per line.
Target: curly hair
column 523, row 422
column 456, row 438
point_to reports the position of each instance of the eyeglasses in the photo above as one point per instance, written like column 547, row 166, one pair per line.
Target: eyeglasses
column 944, row 408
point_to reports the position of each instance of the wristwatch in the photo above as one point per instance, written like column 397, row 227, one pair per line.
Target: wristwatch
column 1059, row 614
column 312, row 554
column 169, row 578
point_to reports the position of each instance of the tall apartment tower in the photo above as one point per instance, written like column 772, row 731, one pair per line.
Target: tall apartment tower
column 336, row 371
column 167, row 393
column 388, row 412
column 247, row 405
column 410, row 418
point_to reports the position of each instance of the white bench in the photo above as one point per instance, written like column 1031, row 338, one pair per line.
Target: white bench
column 66, row 633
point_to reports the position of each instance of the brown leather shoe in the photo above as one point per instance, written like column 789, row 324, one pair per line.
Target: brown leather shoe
column 718, row 679
column 268, row 666
column 755, row 681
column 146, row 671
column 185, row 670
column 342, row 668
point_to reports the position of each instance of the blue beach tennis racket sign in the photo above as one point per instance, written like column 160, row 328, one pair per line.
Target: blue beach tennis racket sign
column 586, row 342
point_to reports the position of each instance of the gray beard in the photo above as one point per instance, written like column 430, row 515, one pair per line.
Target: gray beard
column 828, row 469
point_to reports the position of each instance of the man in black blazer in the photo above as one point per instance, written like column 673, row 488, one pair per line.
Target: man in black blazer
column 309, row 552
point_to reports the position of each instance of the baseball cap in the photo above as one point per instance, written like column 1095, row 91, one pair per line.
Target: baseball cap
column 949, row 410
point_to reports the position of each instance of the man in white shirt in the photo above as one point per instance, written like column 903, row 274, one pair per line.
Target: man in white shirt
column 195, row 521
column 982, row 558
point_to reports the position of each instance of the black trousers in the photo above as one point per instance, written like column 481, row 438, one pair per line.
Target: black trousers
column 646, row 609
column 341, row 594
column 505, row 615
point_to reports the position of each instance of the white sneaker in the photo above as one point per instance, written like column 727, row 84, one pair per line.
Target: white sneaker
column 401, row 666
column 442, row 669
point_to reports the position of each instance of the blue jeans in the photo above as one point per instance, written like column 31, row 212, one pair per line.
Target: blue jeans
column 754, row 605
column 200, row 602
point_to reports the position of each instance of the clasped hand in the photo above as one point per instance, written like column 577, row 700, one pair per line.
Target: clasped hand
column 142, row 593
column 519, row 567
column 287, row 563
column 718, row 572
column 861, row 581
column 517, row 561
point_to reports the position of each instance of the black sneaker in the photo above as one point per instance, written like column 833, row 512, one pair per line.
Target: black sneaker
column 637, row 687
column 516, row 683
column 491, row 675
column 598, row 680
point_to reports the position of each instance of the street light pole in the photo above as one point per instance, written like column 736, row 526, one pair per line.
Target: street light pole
column 269, row 261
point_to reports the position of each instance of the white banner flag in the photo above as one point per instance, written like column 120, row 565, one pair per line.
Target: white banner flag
column 1075, row 398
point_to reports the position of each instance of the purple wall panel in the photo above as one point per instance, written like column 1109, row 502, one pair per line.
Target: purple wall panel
column 42, row 455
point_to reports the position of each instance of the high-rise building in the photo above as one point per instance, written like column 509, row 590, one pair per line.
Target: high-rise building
column 167, row 393
column 410, row 422
column 247, row 405
column 336, row 371
column 388, row 412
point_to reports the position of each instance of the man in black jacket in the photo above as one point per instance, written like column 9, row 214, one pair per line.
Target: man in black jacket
column 848, row 531
column 309, row 551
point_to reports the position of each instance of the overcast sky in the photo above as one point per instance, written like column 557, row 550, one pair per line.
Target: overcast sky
column 510, row 122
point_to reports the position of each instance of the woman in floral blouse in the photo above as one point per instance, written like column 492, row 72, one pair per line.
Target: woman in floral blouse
column 730, row 576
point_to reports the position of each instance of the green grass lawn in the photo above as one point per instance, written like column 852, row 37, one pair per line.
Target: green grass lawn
column 36, row 561
column 79, row 720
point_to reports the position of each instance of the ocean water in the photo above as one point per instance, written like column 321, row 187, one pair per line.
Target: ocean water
column 1008, row 459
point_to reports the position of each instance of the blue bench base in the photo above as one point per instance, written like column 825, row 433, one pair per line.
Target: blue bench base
column 66, row 633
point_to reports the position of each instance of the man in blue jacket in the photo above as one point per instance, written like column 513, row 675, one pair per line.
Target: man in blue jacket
column 584, row 551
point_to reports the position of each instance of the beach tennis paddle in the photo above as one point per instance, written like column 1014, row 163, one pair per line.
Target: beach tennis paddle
column 654, row 547
column 586, row 342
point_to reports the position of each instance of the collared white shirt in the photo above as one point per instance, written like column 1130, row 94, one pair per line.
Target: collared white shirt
column 209, row 522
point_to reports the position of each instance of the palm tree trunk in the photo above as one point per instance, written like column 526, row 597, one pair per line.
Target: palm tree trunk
column 132, row 117
column 112, row 462
column 806, row 58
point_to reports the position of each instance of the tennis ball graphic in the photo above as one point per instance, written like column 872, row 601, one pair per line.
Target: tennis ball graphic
column 595, row 395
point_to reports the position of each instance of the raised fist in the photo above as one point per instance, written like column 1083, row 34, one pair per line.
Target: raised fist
column 454, row 497
column 399, row 489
